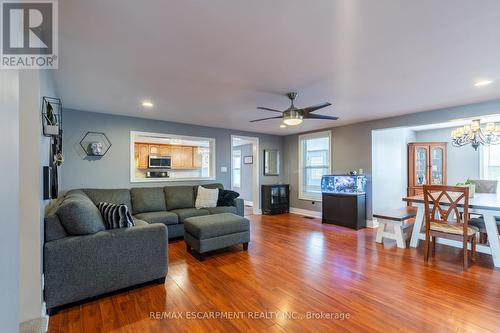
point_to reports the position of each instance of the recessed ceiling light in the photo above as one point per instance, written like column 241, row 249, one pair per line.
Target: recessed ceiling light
column 147, row 104
column 282, row 126
column 482, row 83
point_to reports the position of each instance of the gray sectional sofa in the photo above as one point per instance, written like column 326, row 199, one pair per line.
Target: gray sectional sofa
column 83, row 260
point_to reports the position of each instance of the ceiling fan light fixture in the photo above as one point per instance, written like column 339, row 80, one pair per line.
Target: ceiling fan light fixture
column 292, row 121
column 292, row 118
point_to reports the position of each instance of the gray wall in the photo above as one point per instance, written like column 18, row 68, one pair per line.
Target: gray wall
column 245, row 190
column 461, row 162
column 390, row 167
column 113, row 170
column 33, row 146
column 352, row 147
column 9, row 198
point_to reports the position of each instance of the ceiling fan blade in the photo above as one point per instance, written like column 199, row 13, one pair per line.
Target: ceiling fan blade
column 252, row 121
column 319, row 116
column 315, row 107
column 268, row 109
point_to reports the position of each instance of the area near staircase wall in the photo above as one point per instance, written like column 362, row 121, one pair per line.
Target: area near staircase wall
column 9, row 197
column 34, row 148
column 390, row 167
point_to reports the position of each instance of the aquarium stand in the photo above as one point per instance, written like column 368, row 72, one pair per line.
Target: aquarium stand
column 345, row 209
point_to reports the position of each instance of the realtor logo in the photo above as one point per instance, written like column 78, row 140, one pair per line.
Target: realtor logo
column 29, row 35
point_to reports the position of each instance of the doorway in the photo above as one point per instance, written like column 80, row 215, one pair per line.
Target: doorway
column 245, row 170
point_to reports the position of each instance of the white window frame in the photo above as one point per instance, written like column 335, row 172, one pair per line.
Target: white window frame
column 483, row 167
column 316, row 135
column 236, row 182
column 133, row 179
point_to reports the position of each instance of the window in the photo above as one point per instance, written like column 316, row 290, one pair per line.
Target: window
column 314, row 162
column 236, row 168
column 490, row 162
column 159, row 157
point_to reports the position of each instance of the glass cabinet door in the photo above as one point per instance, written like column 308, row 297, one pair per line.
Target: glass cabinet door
column 284, row 194
column 275, row 195
column 420, row 166
column 437, row 166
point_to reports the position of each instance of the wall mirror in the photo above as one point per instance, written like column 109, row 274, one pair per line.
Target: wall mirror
column 271, row 162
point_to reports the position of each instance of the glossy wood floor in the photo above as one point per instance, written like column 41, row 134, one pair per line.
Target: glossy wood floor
column 297, row 265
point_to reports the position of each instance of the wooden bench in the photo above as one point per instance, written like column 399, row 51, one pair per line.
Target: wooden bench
column 397, row 220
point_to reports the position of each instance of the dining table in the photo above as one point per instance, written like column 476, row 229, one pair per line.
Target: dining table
column 485, row 204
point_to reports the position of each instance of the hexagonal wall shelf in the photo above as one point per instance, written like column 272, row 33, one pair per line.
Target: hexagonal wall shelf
column 95, row 144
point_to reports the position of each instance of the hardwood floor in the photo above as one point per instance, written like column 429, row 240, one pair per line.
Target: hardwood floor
column 296, row 265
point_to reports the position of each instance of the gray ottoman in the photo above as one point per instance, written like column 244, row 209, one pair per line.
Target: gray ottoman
column 213, row 232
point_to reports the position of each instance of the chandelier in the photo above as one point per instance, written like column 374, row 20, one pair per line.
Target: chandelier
column 474, row 135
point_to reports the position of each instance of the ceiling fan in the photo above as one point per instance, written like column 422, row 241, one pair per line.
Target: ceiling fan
column 293, row 116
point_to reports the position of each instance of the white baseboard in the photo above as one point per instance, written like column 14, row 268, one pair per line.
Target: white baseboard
column 248, row 203
column 311, row 213
column 373, row 223
column 305, row 212
column 37, row 325
column 45, row 316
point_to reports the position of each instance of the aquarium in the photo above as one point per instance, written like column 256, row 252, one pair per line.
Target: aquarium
column 343, row 184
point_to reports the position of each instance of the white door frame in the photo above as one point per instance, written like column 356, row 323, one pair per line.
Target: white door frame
column 255, row 170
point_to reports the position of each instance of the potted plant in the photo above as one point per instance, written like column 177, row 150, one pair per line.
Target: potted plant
column 470, row 185
column 51, row 124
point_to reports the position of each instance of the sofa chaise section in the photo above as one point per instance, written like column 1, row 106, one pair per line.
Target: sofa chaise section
column 83, row 260
column 78, row 267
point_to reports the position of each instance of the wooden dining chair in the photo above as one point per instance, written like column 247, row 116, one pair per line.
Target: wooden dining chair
column 443, row 219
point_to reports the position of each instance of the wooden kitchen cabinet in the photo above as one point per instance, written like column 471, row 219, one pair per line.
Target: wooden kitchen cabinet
column 426, row 165
column 154, row 150
column 165, row 151
column 142, row 155
column 176, row 157
column 182, row 157
column 187, row 157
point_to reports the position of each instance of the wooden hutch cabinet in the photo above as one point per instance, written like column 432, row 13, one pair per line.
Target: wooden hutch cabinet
column 426, row 165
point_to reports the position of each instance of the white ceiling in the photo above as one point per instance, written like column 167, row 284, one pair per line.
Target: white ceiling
column 212, row 62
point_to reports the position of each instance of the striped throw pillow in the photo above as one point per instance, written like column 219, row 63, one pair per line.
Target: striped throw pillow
column 115, row 216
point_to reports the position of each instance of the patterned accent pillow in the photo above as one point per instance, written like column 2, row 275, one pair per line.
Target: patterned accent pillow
column 206, row 197
column 115, row 216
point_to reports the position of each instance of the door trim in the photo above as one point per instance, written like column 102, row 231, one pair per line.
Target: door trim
column 255, row 169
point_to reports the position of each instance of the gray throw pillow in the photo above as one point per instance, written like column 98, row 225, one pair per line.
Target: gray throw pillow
column 79, row 215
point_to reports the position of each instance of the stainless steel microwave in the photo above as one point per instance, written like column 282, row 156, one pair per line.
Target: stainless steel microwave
column 160, row 162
